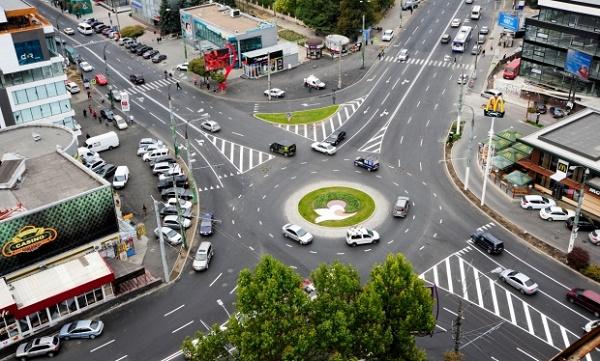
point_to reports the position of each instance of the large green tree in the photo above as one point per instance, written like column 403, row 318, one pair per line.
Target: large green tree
column 169, row 17
column 407, row 305
column 349, row 20
column 320, row 15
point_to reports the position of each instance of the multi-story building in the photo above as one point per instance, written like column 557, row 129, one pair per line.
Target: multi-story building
column 559, row 26
column 32, row 76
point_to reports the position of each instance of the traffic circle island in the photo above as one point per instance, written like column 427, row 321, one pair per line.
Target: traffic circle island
column 336, row 206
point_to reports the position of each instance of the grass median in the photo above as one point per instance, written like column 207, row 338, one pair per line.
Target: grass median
column 300, row 117
column 356, row 201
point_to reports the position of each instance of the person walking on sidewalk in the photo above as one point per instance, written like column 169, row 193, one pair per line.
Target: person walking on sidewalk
column 144, row 210
column 178, row 86
column 85, row 113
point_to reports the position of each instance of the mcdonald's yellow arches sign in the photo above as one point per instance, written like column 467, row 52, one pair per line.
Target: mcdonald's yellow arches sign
column 494, row 107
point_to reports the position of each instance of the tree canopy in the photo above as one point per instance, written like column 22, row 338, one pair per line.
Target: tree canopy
column 276, row 319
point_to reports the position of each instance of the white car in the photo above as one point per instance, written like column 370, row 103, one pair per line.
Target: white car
column 361, row 235
column 96, row 165
column 403, row 55
column 145, row 148
column 69, row 31
column 183, row 204
column 166, row 168
column 462, row 79
column 313, row 82
column 204, row 255
column 296, row 233
column 519, row 281
column 85, row 66
column 468, row 1
column 388, row 35
column 172, row 221
column 72, row 87
column 210, row 125
column 591, row 325
column 455, row 23
column 174, row 169
column 170, row 235
column 121, row 177
column 556, row 214
column 324, row 148
column 275, row 93
column 536, row 202
column 87, row 155
column 119, row 122
column 147, row 141
column 484, row 30
column 182, row 67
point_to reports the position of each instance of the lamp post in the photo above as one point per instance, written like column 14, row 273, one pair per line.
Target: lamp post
column 161, row 239
column 364, row 42
column 469, row 147
column 578, row 210
column 269, row 75
column 62, row 47
column 112, row 101
column 488, row 162
column 461, row 94
column 172, row 121
column 339, row 85
column 180, row 219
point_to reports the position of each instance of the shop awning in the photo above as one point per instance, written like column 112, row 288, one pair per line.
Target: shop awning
column 7, row 302
column 512, row 154
column 501, row 163
column 510, row 135
column 534, row 167
column 500, row 143
column 558, row 176
column 517, row 178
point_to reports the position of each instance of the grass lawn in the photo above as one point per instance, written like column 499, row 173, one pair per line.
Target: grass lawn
column 356, row 201
column 290, row 35
column 300, row 117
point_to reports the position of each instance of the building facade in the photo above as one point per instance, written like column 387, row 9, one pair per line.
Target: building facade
column 32, row 77
column 559, row 26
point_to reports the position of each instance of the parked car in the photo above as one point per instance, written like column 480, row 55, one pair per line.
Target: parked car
column 100, row 79
column 69, row 31
column 99, row 27
column 519, row 281
column 462, row 78
column 361, row 235
column 150, row 53
column 403, row 55
column 210, row 125
column 387, row 35
column 42, row 346
column 148, row 141
column 182, row 193
column 336, row 137
column 106, row 170
column 275, row 93
column 170, row 235
column 157, row 58
column 172, row 211
column 183, row 204
column 182, row 66
column 556, row 213
column 164, row 158
column 313, row 82
column 124, row 40
column 145, row 148
column 296, row 233
column 204, row 255
column 369, row 163
column 207, row 220
column 557, row 112
column 137, row 79
column 180, row 180
column 142, row 49
column 445, row 38
column 115, row 94
column 323, row 147
column 81, row 329
column 541, row 108
column 484, row 30
column 587, row 299
column 536, row 202
column 106, row 31
column 121, row 177
column 107, row 114
column 173, row 221
column 584, row 224
column 455, row 23
column 175, row 169
column 594, row 237
column 72, row 87
column 164, row 167
column 87, row 156
column 120, row 122
column 85, row 66
column 476, row 49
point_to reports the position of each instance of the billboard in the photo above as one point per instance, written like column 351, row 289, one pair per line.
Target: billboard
column 578, row 63
column 29, row 52
column 508, row 21
column 33, row 237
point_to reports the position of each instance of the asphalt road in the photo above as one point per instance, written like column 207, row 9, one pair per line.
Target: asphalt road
column 400, row 113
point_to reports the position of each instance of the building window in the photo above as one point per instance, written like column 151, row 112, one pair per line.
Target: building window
column 32, row 94
column 20, row 96
column 51, row 89
column 250, row 44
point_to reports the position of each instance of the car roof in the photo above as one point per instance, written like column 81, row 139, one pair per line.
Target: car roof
column 592, row 295
column 172, row 217
column 204, row 246
column 533, row 196
column 293, row 227
column 521, row 277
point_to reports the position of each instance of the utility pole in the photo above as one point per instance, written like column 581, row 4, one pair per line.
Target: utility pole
column 163, row 256
column 469, row 148
column 269, row 74
column 116, row 11
column 189, row 160
column 401, row 13
column 364, row 41
column 457, row 328
column 62, row 46
column 172, row 119
column 112, row 101
column 577, row 213
column 460, row 104
column 488, row 162
column 339, row 85
column 178, row 207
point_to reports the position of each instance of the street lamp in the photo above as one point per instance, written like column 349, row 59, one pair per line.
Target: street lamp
column 112, row 101
column 62, row 47
column 172, row 120
column 578, row 210
column 470, row 146
column 364, row 38
column 220, row 303
column 161, row 239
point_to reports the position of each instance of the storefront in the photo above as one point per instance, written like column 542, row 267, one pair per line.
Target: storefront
column 314, row 48
column 259, row 63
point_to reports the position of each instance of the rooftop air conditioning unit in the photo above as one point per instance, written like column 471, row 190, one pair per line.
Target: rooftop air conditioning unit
column 234, row 13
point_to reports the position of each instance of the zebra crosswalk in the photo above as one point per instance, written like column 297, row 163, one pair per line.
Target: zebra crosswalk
column 457, row 276
column 431, row 62
column 138, row 89
column 241, row 157
column 373, row 145
column 319, row 131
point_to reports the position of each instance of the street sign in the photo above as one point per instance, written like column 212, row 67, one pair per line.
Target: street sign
column 508, row 21
column 494, row 107
column 125, row 106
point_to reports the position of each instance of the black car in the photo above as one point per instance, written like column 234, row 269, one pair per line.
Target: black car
column 131, row 44
column 181, row 180
column 106, row 31
column 336, row 137
column 106, row 170
column 285, row 148
column 137, row 79
column 368, row 163
column 136, row 47
column 149, row 54
column 585, row 224
column 182, row 193
column 541, row 108
column 140, row 51
column 172, row 211
column 207, row 219
column 90, row 21
column 107, row 114
column 158, row 58
column 164, row 158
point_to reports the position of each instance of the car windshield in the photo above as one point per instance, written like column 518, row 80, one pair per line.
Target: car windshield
column 94, row 324
column 369, row 233
column 388, row 32
column 301, row 232
column 170, row 233
column 72, row 327
column 200, row 256
column 119, row 178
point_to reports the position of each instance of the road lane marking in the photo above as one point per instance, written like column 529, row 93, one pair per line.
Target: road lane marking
column 547, row 330
column 477, row 286
column 233, row 290
column 182, row 327
column 215, row 280
column 449, row 275
column 463, row 279
column 121, row 358
column 563, row 331
column 513, row 320
column 236, row 133
column 173, row 310
column 451, row 312
column 526, row 354
column 103, row 345
column 441, row 328
column 384, row 99
column 494, row 299
column 528, row 317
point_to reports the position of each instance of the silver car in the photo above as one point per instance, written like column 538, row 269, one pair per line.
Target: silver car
column 42, row 346
column 519, row 281
column 296, row 233
column 81, row 329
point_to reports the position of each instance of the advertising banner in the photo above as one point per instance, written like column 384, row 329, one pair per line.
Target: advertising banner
column 33, row 237
column 125, row 106
column 578, row 63
column 29, row 52
column 508, row 21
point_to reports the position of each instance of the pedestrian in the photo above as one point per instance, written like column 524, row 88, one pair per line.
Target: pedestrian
column 144, row 210
column 455, row 59
column 89, row 94
column 504, row 56
column 178, row 86
column 483, row 53
column 207, row 86
column 90, row 109
column 166, row 74
column 491, row 47
column 87, row 136
column 95, row 115
column 85, row 113
column 411, row 10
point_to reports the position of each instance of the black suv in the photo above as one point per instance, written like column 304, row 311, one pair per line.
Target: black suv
column 369, row 163
column 336, row 137
column 107, row 114
column 136, row 47
column 284, row 148
column 137, row 79
column 488, row 242
column 585, row 224
column 181, row 180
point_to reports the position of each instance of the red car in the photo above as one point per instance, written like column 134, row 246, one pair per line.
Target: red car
column 101, row 79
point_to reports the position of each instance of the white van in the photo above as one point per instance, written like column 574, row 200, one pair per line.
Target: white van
column 476, row 12
column 85, row 28
column 87, row 156
column 102, row 142
column 153, row 154
column 121, row 177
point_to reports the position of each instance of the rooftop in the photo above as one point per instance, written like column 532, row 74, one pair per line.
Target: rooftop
column 16, row 15
column 219, row 16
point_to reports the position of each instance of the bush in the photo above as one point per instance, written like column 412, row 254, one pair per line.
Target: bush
column 578, row 259
column 132, row 31
column 592, row 271
column 453, row 356
column 352, row 203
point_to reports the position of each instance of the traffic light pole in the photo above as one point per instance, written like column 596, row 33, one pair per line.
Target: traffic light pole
column 488, row 162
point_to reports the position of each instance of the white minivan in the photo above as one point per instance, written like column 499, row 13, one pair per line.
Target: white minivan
column 85, row 28
column 121, row 177
column 153, row 154
column 103, row 142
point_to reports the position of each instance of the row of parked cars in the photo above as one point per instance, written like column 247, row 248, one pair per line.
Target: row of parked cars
column 143, row 50
column 93, row 161
column 176, row 210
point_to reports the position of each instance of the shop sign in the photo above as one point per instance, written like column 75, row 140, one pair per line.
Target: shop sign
column 562, row 166
column 594, row 191
column 29, row 239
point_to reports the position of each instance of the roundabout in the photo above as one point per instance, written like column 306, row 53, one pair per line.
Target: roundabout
column 336, row 206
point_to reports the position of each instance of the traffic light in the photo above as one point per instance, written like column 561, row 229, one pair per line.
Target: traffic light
column 494, row 107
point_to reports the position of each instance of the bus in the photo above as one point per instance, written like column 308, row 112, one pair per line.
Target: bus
column 461, row 39
column 476, row 12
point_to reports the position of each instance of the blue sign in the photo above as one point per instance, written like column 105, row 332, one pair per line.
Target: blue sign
column 29, row 52
column 578, row 64
column 508, row 21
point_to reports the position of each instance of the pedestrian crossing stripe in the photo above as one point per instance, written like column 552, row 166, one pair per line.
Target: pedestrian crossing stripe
column 320, row 131
column 455, row 275
column 373, row 145
column 436, row 63
column 151, row 86
column 241, row 157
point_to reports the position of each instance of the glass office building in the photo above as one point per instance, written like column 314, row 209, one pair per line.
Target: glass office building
column 559, row 26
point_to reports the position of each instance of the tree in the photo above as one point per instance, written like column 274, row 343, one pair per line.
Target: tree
column 133, row 31
column 201, row 348
column 196, row 66
column 217, row 76
column 320, row 15
column 578, row 259
column 349, row 20
column 169, row 18
column 407, row 305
